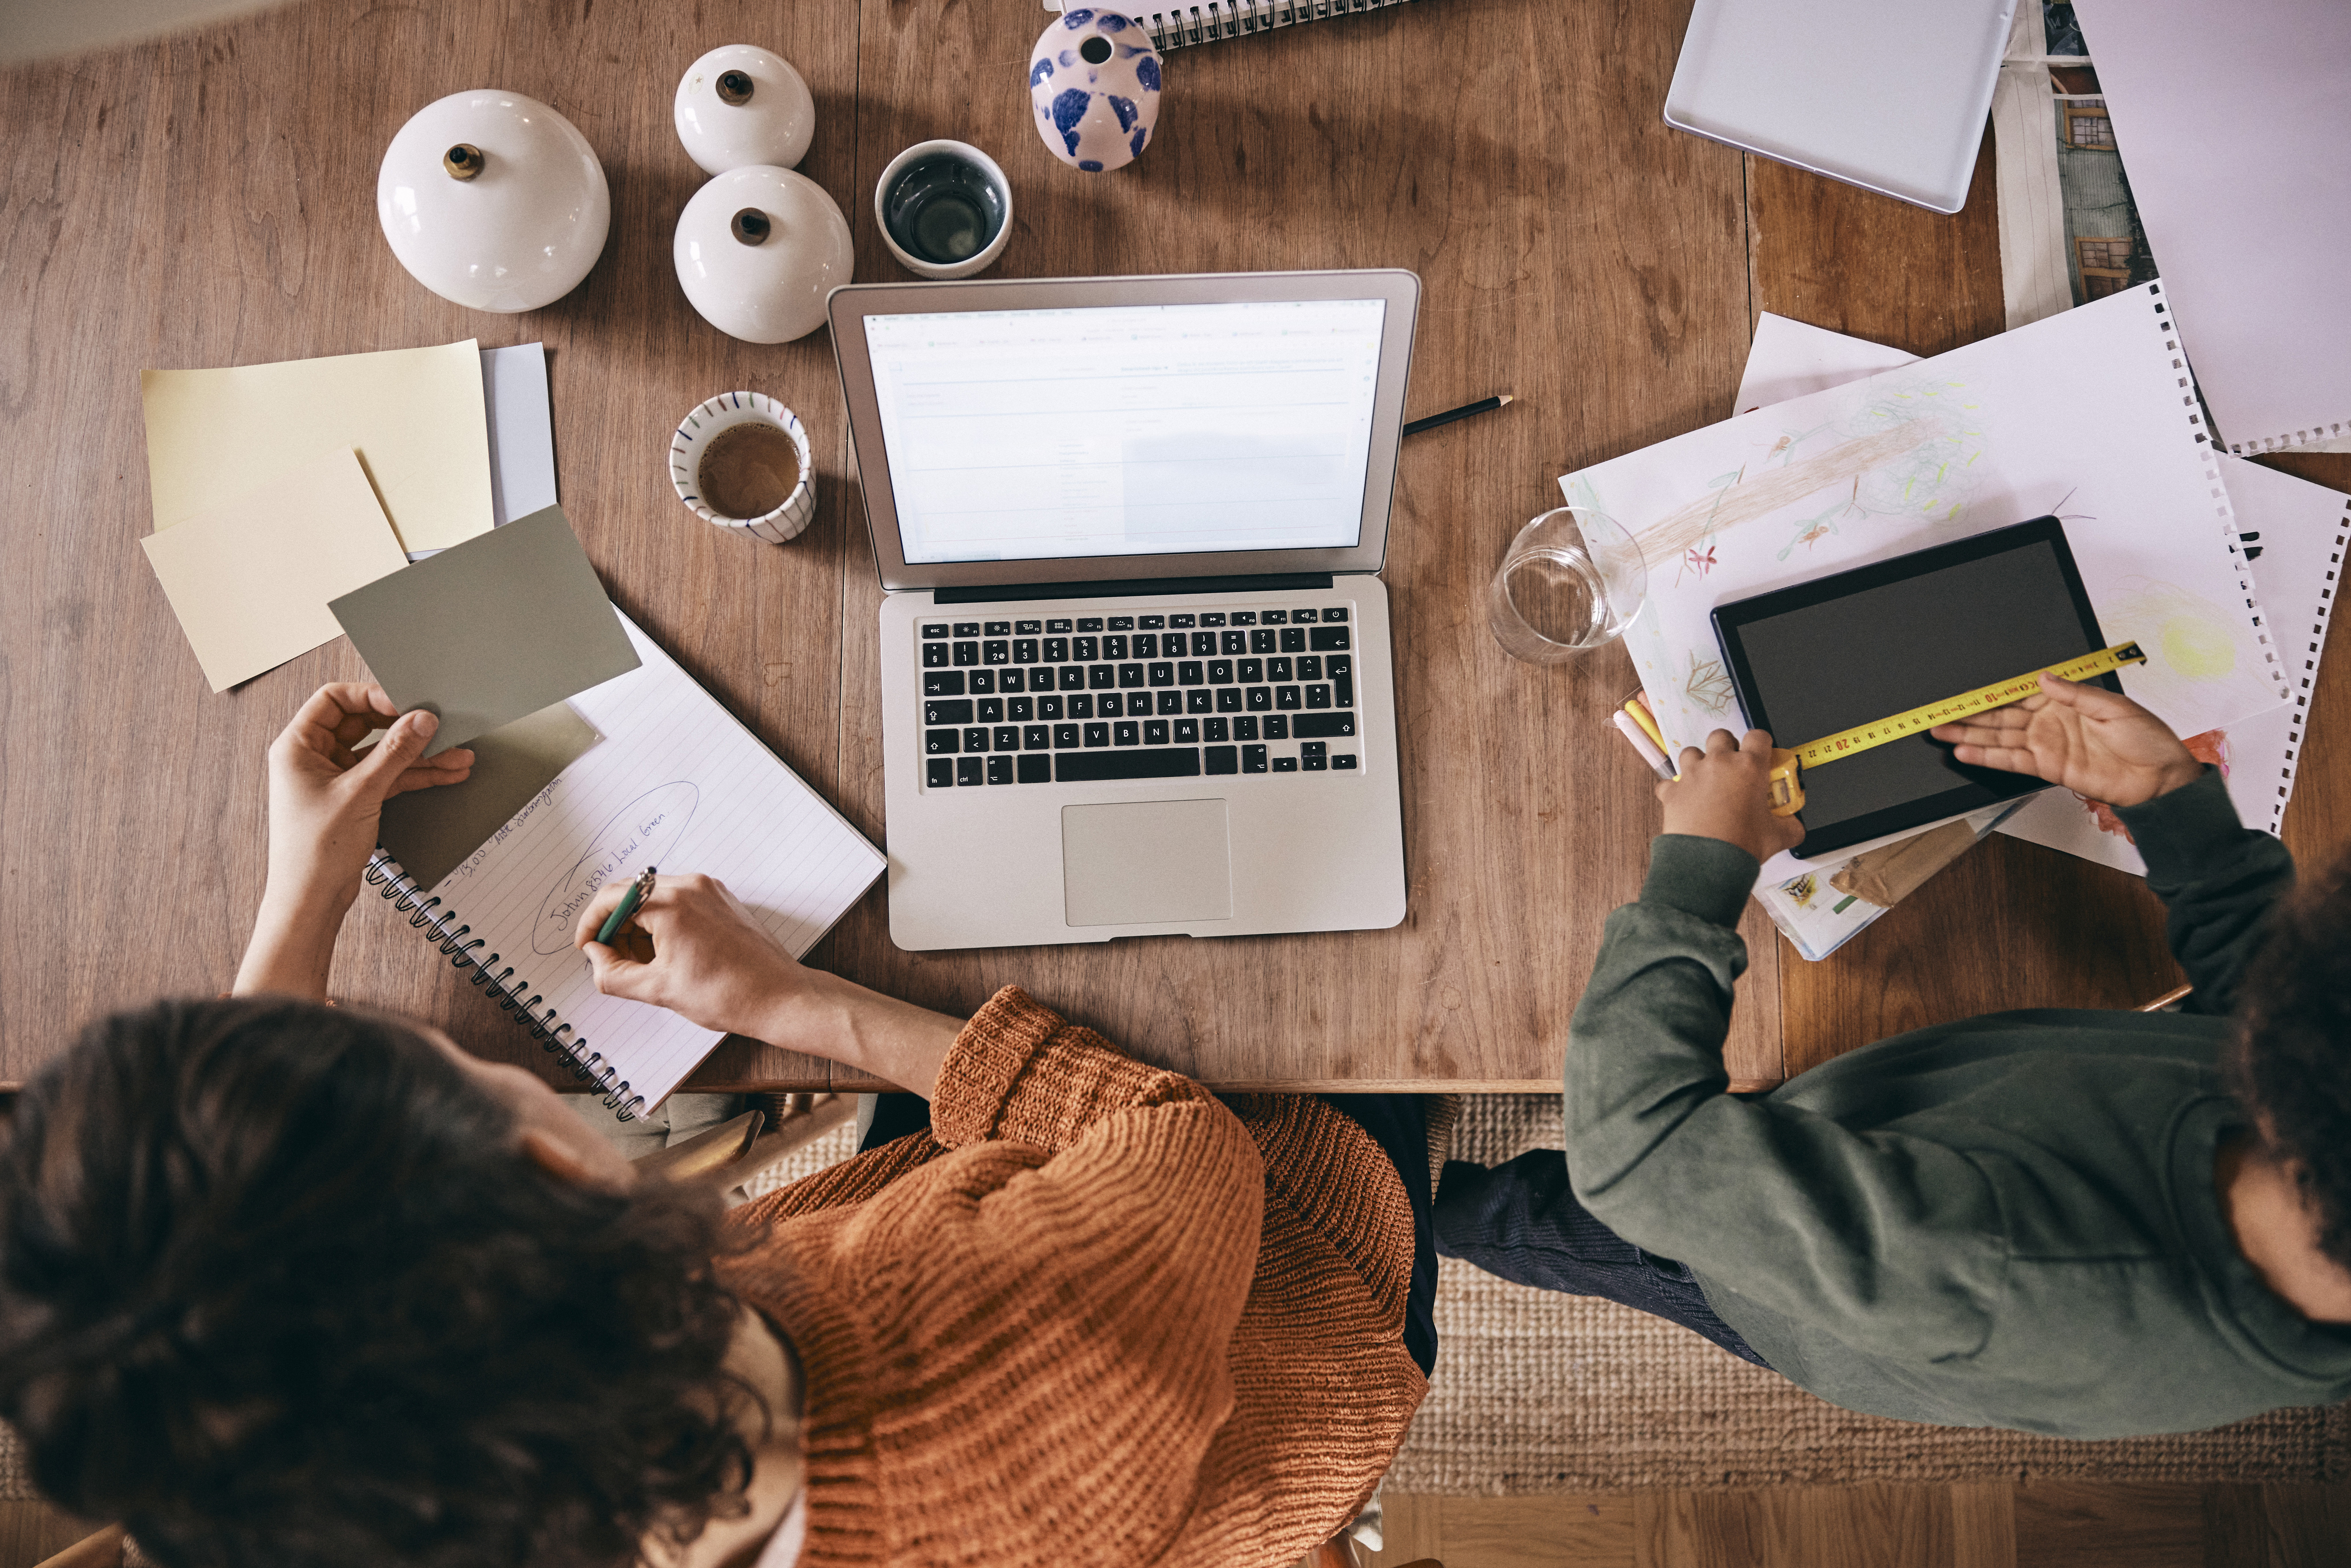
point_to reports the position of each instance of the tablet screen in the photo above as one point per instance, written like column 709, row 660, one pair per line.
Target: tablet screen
column 1825, row 656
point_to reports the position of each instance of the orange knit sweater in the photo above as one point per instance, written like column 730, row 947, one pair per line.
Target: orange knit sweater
column 1097, row 1316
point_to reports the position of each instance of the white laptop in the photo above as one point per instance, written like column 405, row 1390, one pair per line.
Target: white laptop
column 1136, row 678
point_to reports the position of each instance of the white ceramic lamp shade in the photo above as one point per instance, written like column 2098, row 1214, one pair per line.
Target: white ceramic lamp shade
column 494, row 200
column 758, row 249
column 740, row 105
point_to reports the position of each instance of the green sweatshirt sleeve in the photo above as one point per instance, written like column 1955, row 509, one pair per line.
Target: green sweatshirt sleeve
column 2217, row 879
column 1778, row 1203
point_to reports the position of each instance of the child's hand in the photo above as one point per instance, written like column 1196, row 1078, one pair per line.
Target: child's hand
column 1724, row 793
column 2094, row 742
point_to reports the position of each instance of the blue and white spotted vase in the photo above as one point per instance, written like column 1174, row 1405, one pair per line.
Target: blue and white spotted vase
column 1094, row 78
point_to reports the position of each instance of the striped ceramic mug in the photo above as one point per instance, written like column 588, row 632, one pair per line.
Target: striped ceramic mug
column 691, row 441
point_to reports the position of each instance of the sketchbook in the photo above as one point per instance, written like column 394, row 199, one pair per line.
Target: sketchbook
column 2084, row 417
column 2294, row 534
column 1177, row 27
column 676, row 783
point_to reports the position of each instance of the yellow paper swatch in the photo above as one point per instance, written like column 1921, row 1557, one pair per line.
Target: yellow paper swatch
column 414, row 416
column 250, row 580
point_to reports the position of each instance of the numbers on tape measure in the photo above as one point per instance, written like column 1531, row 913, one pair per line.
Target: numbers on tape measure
column 2000, row 693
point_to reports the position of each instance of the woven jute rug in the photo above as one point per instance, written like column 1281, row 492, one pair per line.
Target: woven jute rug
column 1540, row 1393
column 1536, row 1392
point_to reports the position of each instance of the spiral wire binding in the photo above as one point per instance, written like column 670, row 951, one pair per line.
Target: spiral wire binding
column 1183, row 26
column 2300, row 680
column 444, row 927
column 2222, row 510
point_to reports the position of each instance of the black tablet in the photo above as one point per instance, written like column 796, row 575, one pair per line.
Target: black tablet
column 1825, row 655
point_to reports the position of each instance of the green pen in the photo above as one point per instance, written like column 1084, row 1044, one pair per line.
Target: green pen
column 637, row 893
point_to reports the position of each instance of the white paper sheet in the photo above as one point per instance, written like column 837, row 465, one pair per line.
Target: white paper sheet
column 2301, row 530
column 1791, row 359
column 2234, row 123
column 2294, row 532
column 2085, row 414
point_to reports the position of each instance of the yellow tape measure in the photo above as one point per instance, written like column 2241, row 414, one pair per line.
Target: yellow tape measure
column 1788, row 789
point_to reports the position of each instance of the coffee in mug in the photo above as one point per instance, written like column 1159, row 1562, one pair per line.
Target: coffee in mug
column 741, row 461
column 747, row 470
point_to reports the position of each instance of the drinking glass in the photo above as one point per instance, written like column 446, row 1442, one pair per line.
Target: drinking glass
column 1572, row 582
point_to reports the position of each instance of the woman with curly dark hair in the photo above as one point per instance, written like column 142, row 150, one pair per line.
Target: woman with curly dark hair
column 290, row 1284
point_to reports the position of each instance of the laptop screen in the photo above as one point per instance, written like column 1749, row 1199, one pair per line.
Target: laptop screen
column 1128, row 429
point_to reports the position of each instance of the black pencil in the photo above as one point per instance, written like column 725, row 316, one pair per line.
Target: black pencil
column 1414, row 427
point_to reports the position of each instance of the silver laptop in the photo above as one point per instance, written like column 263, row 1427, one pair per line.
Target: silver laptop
column 1136, row 678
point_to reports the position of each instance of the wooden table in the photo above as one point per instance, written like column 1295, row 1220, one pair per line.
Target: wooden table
column 209, row 201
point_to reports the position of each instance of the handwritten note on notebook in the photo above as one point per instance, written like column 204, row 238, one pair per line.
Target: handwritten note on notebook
column 414, row 415
column 676, row 783
column 250, row 579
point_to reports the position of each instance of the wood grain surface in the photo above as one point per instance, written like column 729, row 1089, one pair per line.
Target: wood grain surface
column 1587, row 260
column 2034, row 1525
column 208, row 200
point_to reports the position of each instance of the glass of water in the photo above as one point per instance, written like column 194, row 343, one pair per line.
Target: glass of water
column 1572, row 582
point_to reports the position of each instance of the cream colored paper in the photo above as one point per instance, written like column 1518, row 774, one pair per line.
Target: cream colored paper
column 250, row 580
column 415, row 416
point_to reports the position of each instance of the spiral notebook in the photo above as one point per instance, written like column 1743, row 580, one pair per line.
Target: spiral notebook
column 677, row 783
column 1173, row 27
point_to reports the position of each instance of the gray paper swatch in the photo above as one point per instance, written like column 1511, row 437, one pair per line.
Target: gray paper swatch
column 500, row 626
column 431, row 831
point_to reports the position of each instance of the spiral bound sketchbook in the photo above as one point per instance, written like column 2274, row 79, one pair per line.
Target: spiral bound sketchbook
column 2293, row 535
column 2086, row 416
column 677, row 783
column 1173, row 27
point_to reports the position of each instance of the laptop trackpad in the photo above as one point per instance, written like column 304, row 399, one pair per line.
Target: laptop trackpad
column 1145, row 862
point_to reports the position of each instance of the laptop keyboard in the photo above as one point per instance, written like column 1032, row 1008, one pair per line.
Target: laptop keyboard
column 1174, row 694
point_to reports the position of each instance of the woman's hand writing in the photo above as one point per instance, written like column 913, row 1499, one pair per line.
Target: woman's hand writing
column 693, row 947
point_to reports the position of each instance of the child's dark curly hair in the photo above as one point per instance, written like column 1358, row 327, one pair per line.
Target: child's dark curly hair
column 2291, row 1061
column 278, row 1285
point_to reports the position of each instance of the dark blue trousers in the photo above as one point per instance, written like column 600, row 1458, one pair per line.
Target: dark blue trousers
column 1522, row 1221
column 1398, row 1123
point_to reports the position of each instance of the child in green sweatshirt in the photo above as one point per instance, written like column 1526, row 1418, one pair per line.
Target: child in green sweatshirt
column 2089, row 1223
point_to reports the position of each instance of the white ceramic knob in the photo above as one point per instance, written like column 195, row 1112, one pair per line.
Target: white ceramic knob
column 740, row 105
column 758, row 250
column 493, row 200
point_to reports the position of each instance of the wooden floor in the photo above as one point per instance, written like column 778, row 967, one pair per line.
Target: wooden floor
column 2057, row 1524
column 31, row 1532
